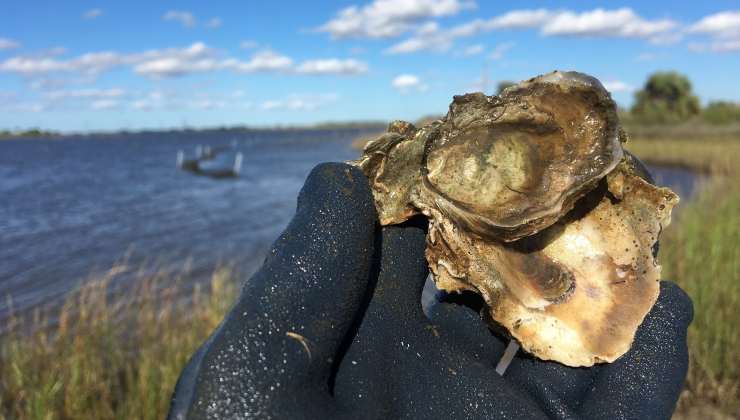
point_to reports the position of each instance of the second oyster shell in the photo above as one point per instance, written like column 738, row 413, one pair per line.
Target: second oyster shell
column 530, row 207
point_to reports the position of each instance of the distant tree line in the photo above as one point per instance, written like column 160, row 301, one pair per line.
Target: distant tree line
column 667, row 97
column 33, row 132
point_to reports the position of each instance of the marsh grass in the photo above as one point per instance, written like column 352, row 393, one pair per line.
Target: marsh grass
column 104, row 356
column 712, row 155
column 700, row 251
column 702, row 254
column 111, row 356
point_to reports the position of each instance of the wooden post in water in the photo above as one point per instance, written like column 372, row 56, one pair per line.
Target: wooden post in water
column 180, row 159
column 238, row 163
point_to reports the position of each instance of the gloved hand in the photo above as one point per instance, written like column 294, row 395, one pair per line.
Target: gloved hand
column 332, row 327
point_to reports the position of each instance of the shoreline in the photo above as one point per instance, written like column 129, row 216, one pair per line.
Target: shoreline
column 328, row 126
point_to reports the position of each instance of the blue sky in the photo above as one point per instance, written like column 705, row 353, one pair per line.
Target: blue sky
column 86, row 65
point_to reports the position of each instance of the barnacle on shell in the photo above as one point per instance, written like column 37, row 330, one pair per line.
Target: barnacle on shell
column 533, row 204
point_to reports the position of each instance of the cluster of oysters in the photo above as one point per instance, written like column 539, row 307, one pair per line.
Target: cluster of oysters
column 533, row 204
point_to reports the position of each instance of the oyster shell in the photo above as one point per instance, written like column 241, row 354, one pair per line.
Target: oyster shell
column 577, row 291
column 533, row 204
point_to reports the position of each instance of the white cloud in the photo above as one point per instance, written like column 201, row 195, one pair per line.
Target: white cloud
column 103, row 104
column 248, row 44
column 28, row 66
column 481, row 83
column 262, row 61
column 7, row 98
column 646, row 56
column 723, row 24
column 622, row 23
column 8, row 44
column 158, row 95
column 294, row 104
column 53, row 52
column 89, row 64
column 520, row 19
column 156, row 99
column 499, row 51
column 9, row 103
column 86, row 94
column 175, row 62
column 34, row 107
column 215, row 22
column 615, row 86
column 606, row 23
column 96, row 63
column 174, row 66
column 207, row 104
column 332, row 66
column 406, row 83
column 418, row 43
column 152, row 63
column 723, row 46
column 143, row 105
column 92, row 14
column 428, row 38
column 667, row 38
column 723, row 28
column 473, row 50
column 389, row 18
column 36, row 56
column 45, row 83
column 299, row 102
column 186, row 19
column 717, row 46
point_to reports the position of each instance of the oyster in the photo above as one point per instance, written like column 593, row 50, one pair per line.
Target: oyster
column 533, row 204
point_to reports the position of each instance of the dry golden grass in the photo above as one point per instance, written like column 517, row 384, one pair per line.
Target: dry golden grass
column 714, row 155
column 108, row 357
column 701, row 252
column 118, row 357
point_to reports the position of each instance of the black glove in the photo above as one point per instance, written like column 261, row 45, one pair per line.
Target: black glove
column 332, row 326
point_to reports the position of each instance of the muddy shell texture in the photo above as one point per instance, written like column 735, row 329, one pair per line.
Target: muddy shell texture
column 533, row 204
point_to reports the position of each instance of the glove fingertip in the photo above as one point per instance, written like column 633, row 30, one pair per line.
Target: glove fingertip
column 337, row 186
column 675, row 300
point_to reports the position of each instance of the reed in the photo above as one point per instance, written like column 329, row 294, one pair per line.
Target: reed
column 700, row 251
column 113, row 356
column 711, row 155
column 108, row 356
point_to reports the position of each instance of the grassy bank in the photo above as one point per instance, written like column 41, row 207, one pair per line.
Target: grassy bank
column 701, row 252
column 119, row 357
column 715, row 155
column 109, row 357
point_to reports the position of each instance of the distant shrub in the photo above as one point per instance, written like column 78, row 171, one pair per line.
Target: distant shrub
column 503, row 85
column 666, row 97
column 722, row 112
